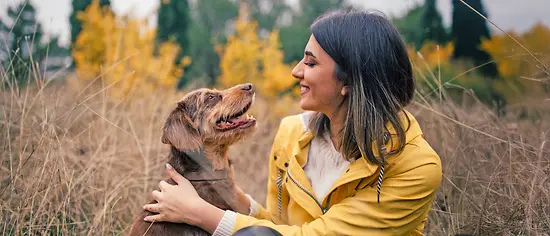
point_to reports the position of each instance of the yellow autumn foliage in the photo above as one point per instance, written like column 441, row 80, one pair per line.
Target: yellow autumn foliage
column 276, row 75
column 431, row 55
column 521, row 74
column 121, row 51
column 247, row 58
column 240, row 58
column 512, row 60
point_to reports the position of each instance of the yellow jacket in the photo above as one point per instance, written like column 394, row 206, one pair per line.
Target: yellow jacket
column 410, row 181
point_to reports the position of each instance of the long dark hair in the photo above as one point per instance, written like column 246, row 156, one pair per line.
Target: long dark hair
column 372, row 61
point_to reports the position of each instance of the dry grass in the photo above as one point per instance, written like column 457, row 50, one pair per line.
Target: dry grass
column 74, row 162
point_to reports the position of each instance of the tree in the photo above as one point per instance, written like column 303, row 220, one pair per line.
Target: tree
column 4, row 39
column 23, row 43
column 79, row 6
column 409, row 26
column 468, row 29
column 522, row 75
column 121, row 51
column 210, row 19
column 294, row 36
column 26, row 31
column 248, row 58
column 173, row 21
column 432, row 24
column 267, row 12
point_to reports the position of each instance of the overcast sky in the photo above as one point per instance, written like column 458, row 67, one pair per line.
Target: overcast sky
column 508, row 14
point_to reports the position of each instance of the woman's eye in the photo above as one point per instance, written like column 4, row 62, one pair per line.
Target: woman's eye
column 309, row 64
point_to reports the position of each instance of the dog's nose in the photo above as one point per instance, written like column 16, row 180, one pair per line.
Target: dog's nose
column 247, row 87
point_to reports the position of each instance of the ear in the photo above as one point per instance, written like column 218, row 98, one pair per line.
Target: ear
column 344, row 91
column 180, row 131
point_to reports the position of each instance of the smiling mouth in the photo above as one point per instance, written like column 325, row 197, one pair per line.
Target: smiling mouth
column 239, row 120
column 303, row 89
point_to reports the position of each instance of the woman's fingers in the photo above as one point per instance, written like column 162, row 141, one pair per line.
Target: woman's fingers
column 157, row 196
column 174, row 174
column 152, row 207
column 163, row 185
column 155, row 218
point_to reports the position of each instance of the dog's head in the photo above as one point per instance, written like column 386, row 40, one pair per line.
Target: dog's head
column 208, row 117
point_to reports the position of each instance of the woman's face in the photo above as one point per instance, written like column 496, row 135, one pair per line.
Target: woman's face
column 320, row 90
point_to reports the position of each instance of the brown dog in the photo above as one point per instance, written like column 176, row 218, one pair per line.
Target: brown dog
column 200, row 130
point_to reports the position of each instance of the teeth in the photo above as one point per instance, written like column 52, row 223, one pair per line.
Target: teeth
column 249, row 117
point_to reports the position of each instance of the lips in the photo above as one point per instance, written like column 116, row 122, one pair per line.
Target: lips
column 303, row 89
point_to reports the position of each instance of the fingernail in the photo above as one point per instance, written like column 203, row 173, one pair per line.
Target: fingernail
column 168, row 166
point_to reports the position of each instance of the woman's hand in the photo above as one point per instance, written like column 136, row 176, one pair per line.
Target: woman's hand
column 181, row 204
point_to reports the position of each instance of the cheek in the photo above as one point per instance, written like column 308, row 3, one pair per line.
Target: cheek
column 324, row 87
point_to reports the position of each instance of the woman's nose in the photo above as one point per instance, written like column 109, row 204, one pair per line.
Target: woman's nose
column 298, row 71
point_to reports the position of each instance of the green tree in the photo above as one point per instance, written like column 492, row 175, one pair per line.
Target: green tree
column 209, row 19
column 432, row 24
column 267, row 12
column 409, row 26
column 4, row 41
column 78, row 6
column 468, row 29
column 24, row 41
column 26, row 31
column 173, row 21
column 294, row 36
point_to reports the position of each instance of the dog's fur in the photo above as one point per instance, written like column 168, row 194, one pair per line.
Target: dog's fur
column 199, row 142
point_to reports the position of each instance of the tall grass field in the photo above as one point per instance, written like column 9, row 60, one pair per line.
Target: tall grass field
column 73, row 161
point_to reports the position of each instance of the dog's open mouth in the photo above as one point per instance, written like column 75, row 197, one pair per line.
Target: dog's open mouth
column 239, row 120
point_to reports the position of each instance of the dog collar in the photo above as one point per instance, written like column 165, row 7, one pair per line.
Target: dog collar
column 203, row 176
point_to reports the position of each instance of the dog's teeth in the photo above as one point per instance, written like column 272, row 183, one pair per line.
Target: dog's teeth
column 252, row 117
column 247, row 117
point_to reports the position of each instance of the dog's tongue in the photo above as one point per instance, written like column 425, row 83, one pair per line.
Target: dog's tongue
column 238, row 120
column 232, row 123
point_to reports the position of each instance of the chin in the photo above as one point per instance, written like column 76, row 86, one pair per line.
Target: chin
column 305, row 105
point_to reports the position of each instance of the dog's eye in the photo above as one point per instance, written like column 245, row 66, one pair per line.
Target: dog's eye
column 211, row 97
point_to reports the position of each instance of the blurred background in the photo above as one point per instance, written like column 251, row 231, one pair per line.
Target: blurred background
column 87, row 85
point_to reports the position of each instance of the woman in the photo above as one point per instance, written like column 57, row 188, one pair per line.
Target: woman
column 357, row 164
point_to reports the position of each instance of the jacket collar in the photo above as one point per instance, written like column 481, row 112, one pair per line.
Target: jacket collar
column 360, row 171
column 412, row 131
column 360, row 168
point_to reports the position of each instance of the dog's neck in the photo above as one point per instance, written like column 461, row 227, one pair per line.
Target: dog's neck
column 203, row 164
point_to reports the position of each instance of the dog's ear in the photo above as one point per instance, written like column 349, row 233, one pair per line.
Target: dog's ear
column 180, row 131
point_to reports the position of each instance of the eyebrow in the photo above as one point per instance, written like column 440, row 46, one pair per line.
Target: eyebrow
column 309, row 53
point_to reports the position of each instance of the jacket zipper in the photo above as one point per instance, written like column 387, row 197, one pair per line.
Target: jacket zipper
column 323, row 209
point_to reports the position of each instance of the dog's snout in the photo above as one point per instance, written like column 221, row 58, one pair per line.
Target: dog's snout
column 246, row 87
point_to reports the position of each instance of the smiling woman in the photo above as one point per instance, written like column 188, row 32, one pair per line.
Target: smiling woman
column 355, row 79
